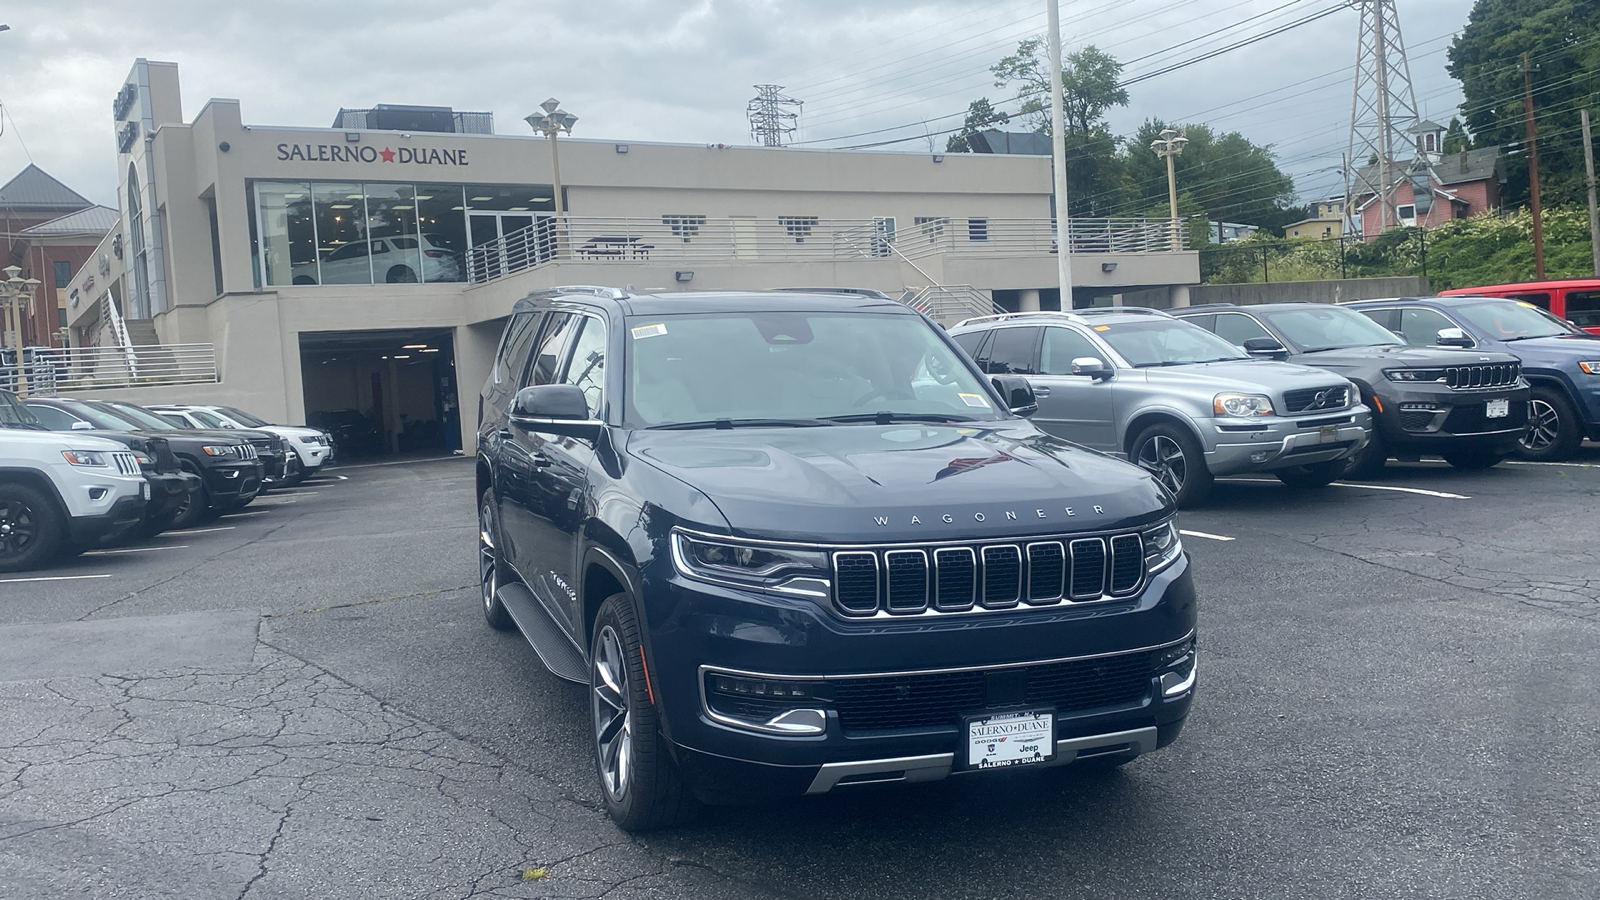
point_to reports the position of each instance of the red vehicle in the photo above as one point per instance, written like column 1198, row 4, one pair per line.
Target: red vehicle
column 1575, row 299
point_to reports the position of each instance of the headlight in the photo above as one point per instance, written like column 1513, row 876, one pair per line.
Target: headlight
column 95, row 458
column 1162, row 546
column 1414, row 375
column 1242, row 405
column 1590, row 368
column 144, row 458
column 785, row 570
column 223, row 450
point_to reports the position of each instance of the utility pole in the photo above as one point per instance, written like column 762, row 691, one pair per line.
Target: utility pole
column 1588, row 171
column 1058, row 158
column 772, row 115
column 1533, row 170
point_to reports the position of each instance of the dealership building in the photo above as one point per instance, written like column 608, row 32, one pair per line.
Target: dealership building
column 366, row 269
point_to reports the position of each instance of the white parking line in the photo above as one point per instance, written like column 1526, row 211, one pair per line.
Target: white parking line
column 1367, row 487
column 52, row 578
column 196, row 531
column 1206, row 535
column 292, row 493
column 135, row 550
column 1533, row 462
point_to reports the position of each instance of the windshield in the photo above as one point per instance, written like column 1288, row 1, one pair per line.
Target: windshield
column 208, row 419
column 1328, row 328
column 795, row 368
column 1166, row 342
column 141, row 418
column 1512, row 320
column 14, row 414
column 100, row 418
column 242, row 417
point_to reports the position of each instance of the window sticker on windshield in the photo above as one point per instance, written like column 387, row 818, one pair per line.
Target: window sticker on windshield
column 1102, row 328
column 649, row 331
column 974, row 400
column 1527, row 304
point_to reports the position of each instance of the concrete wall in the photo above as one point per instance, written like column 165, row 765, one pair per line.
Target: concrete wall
column 1335, row 291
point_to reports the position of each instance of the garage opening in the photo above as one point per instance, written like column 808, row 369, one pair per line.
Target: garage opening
column 383, row 393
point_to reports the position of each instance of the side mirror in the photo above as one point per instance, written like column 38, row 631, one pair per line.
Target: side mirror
column 1018, row 394
column 555, row 409
column 82, row 426
column 1092, row 366
column 1453, row 337
column 1265, row 348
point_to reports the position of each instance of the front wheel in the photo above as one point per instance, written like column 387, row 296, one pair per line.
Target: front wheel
column 1174, row 457
column 30, row 528
column 195, row 508
column 640, row 783
column 1316, row 475
column 1473, row 460
column 1554, row 432
column 401, row 275
column 491, row 568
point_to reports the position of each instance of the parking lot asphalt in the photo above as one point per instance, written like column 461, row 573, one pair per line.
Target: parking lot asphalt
column 302, row 700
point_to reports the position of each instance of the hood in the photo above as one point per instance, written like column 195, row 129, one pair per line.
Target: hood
column 1396, row 356
column 893, row 483
column 1264, row 376
column 1560, row 349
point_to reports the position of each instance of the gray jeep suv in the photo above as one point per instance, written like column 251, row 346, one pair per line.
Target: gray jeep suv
column 1173, row 397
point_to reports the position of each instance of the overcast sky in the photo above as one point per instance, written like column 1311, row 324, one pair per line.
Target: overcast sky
column 648, row 70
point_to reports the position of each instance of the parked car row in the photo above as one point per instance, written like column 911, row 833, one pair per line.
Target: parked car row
column 79, row 473
column 1308, row 392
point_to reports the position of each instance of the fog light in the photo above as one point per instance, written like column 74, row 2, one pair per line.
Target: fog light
column 1420, row 407
column 767, row 705
column 230, row 473
column 97, row 493
column 1260, row 456
column 1178, row 663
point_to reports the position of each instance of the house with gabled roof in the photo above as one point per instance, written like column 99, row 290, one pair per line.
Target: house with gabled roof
column 50, row 232
column 1458, row 185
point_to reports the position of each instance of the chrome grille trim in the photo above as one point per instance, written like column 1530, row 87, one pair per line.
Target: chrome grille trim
column 1479, row 377
column 847, row 565
column 1043, row 587
column 1000, row 590
column 1305, row 400
column 1088, row 580
column 948, row 566
column 126, row 462
column 1132, row 547
column 908, row 580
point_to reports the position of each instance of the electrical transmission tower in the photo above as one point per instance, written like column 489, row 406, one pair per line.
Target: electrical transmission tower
column 1383, row 110
column 771, row 115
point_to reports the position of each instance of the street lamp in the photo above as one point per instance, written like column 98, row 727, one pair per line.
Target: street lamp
column 550, row 123
column 16, row 291
column 1170, row 146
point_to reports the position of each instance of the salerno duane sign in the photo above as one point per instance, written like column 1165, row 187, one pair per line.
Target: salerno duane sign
column 369, row 154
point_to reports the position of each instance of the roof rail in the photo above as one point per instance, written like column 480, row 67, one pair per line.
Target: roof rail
column 1108, row 310
column 1001, row 317
column 609, row 293
column 1207, row 306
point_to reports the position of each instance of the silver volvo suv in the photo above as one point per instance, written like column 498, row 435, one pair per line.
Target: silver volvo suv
column 1173, row 397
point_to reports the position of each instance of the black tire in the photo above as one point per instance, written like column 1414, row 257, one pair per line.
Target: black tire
column 1369, row 460
column 196, row 508
column 1554, row 432
column 401, row 275
column 492, row 570
column 1316, row 475
column 31, row 527
column 639, row 782
column 1174, row 457
column 1473, row 460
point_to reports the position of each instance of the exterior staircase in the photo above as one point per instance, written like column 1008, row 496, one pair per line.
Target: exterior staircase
column 141, row 332
column 948, row 304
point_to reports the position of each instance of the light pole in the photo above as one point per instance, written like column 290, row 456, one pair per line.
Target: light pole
column 1170, row 146
column 14, row 292
column 550, row 123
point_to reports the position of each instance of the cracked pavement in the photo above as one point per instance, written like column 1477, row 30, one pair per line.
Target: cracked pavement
column 1396, row 700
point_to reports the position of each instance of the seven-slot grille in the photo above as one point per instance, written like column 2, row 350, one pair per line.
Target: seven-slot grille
column 126, row 462
column 1491, row 375
column 1001, row 575
column 1316, row 399
column 240, row 451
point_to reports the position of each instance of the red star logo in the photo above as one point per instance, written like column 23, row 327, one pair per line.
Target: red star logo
column 387, row 154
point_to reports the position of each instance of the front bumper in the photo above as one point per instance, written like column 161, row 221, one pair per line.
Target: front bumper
column 1437, row 420
column 1279, row 442
column 167, row 490
column 693, row 628
column 230, row 482
column 124, row 514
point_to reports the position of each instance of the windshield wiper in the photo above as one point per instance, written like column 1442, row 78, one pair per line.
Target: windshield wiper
column 739, row 423
column 888, row 418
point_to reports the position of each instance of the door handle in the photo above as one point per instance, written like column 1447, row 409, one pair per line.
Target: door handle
column 540, row 461
column 1041, row 391
column 504, row 434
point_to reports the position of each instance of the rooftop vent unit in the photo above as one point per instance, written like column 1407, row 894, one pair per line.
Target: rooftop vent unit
column 398, row 117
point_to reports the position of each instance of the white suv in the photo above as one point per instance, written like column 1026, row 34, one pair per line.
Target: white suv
column 312, row 445
column 59, row 490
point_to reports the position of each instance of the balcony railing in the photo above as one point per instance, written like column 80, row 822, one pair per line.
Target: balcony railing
column 52, row 371
column 687, row 239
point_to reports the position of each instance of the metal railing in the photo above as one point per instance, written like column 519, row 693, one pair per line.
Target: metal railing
column 687, row 239
column 950, row 303
column 57, row 370
column 118, row 330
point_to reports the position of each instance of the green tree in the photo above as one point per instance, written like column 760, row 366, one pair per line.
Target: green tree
column 1455, row 138
column 980, row 115
column 1230, row 178
column 1562, row 38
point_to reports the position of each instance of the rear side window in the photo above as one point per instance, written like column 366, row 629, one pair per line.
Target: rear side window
column 1583, row 308
column 1236, row 328
column 1420, row 327
column 1012, row 351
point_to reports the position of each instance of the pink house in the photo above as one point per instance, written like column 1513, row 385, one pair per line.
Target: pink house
column 1459, row 184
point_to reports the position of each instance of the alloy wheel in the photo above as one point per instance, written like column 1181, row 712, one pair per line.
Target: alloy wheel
column 1544, row 425
column 613, row 727
column 19, row 528
column 1162, row 457
column 488, row 577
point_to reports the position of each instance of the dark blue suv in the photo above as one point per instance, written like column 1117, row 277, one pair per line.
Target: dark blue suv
column 797, row 543
column 1560, row 361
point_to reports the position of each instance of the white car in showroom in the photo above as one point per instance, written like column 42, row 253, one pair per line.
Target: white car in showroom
column 391, row 258
column 313, row 446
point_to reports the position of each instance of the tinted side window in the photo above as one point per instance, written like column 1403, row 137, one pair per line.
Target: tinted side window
column 1384, row 317
column 1420, row 327
column 1236, row 328
column 1206, row 321
column 1061, row 347
column 53, row 419
column 1583, row 308
column 1541, row 299
column 519, row 335
column 1012, row 351
column 588, row 367
column 970, row 341
column 552, row 345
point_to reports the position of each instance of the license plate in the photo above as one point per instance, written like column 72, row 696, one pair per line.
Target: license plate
column 144, row 490
column 1328, row 433
column 1014, row 739
column 1497, row 409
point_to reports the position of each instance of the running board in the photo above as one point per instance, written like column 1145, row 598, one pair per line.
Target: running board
column 558, row 654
